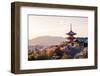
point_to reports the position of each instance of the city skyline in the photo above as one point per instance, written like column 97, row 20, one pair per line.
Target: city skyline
column 56, row 26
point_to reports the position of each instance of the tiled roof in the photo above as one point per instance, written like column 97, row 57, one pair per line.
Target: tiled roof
column 71, row 33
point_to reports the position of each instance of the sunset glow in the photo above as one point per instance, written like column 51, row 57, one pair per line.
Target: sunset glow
column 56, row 26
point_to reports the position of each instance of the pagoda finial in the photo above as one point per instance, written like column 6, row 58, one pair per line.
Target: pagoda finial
column 70, row 27
column 71, row 32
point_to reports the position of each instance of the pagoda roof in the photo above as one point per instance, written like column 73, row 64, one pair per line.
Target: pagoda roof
column 71, row 33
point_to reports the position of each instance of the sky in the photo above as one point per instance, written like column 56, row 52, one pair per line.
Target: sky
column 41, row 25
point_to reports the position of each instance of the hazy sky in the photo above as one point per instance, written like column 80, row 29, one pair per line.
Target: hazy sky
column 56, row 26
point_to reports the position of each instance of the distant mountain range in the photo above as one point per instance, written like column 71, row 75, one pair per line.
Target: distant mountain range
column 46, row 41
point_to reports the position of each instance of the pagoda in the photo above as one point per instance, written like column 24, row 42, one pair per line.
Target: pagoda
column 71, row 34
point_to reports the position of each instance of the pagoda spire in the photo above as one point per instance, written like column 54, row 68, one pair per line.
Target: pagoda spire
column 70, row 27
column 71, row 32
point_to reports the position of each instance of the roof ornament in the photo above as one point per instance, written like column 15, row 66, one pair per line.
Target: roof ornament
column 71, row 32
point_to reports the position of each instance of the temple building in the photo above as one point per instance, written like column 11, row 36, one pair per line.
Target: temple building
column 71, row 34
